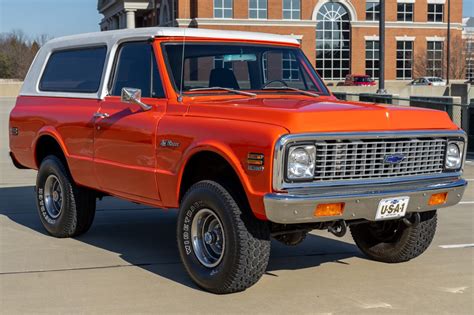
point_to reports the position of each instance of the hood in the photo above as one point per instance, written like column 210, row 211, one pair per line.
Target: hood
column 302, row 114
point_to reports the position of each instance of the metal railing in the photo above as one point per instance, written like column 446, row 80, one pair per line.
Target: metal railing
column 462, row 114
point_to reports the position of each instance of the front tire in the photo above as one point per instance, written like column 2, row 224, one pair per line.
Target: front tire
column 394, row 241
column 65, row 209
column 224, row 249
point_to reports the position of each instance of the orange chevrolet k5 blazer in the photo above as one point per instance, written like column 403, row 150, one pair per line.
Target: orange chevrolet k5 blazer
column 236, row 130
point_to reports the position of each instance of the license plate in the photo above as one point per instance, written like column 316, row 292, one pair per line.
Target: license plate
column 392, row 208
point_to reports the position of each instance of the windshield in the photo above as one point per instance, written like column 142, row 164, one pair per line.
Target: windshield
column 256, row 68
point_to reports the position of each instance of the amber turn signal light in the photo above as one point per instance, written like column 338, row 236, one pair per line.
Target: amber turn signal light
column 255, row 162
column 255, row 159
column 438, row 199
column 329, row 209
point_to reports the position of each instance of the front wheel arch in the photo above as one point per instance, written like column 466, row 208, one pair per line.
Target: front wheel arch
column 209, row 165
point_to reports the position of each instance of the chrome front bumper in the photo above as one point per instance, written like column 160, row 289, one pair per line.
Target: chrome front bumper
column 361, row 202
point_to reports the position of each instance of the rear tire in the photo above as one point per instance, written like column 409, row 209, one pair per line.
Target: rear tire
column 394, row 241
column 65, row 209
column 224, row 249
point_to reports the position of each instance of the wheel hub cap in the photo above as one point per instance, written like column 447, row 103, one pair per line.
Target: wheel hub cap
column 208, row 239
column 53, row 196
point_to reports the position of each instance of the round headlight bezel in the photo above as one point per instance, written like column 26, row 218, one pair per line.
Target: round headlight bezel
column 453, row 159
column 306, row 174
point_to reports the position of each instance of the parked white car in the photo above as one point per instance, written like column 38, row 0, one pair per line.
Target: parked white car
column 434, row 81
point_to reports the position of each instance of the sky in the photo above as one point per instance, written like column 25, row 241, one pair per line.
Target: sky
column 51, row 17
column 468, row 8
column 65, row 17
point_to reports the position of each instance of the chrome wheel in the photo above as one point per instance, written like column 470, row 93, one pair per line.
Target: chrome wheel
column 53, row 196
column 208, row 238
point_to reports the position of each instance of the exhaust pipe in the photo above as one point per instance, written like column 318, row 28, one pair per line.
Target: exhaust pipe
column 338, row 228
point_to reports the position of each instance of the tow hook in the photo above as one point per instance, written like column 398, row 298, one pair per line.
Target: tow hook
column 413, row 219
column 338, row 228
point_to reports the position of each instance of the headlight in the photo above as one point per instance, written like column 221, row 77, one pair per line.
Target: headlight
column 454, row 155
column 301, row 162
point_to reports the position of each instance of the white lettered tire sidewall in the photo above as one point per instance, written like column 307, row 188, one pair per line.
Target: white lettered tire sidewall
column 206, row 277
column 247, row 240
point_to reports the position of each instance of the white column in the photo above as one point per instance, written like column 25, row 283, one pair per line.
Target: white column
column 130, row 18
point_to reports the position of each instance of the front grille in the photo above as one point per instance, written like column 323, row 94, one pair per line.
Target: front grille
column 365, row 159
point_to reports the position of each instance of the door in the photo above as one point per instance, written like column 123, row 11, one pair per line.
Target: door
column 125, row 142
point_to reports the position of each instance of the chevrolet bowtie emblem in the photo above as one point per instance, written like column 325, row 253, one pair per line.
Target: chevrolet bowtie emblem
column 393, row 158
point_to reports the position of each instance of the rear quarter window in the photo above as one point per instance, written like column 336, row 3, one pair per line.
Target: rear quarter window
column 77, row 70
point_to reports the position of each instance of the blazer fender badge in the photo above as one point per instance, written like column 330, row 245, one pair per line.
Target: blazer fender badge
column 169, row 143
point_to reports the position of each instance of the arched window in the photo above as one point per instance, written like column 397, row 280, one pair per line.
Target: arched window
column 333, row 33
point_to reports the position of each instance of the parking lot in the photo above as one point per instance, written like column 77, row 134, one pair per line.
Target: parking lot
column 128, row 263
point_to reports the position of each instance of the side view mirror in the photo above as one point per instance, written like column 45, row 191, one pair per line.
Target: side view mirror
column 133, row 96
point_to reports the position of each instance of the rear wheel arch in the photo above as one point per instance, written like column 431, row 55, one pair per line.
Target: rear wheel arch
column 46, row 145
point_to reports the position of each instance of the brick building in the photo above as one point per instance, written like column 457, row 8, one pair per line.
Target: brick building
column 339, row 36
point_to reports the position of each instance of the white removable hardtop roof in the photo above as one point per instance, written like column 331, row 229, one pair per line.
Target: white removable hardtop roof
column 112, row 39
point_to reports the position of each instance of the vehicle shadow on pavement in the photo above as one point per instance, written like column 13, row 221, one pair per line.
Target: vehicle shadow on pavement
column 146, row 237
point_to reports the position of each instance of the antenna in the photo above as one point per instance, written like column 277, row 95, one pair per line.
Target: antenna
column 180, row 96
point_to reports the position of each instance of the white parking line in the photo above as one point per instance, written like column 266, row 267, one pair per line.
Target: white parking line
column 457, row 246
column 466, row 202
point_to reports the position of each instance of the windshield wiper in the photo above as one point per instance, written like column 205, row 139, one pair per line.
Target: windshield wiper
column 292, row 89
column 215, row 88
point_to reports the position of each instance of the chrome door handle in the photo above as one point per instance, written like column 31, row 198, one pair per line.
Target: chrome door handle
column 101, row 115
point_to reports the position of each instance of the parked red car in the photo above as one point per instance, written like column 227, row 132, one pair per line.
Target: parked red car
column 359, row 80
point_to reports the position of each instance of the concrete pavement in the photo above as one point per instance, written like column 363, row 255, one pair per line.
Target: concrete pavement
column 128, row 263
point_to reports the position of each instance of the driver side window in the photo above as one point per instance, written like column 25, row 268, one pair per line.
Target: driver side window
column 136, row 68
column 283, row 67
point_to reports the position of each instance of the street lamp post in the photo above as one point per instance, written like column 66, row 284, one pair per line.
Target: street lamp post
column 381, row 89
column 448, row 49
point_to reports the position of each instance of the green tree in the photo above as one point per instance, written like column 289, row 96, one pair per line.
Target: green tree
column 5, row 67
column 17, row 52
